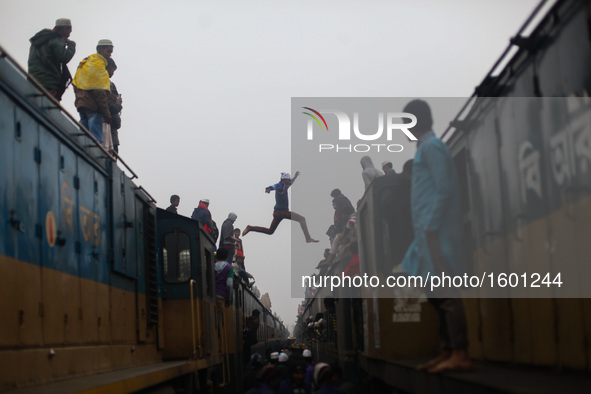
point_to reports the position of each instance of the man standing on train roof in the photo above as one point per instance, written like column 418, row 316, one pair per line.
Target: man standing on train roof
column 342, row 210
column 115, row 105
column 227, row 240
column 439, row 243
column 92, row 86
column 202, row 215
column 281, row 210
column 50, row 52
column 174, row 203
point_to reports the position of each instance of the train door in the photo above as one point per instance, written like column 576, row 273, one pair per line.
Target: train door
column 21, row 321
column 186, row 260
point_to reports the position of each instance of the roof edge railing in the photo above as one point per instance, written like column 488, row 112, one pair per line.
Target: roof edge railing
column 110, row 155
column 512, row 42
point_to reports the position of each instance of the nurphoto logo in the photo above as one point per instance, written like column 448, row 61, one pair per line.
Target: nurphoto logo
column 394, row 121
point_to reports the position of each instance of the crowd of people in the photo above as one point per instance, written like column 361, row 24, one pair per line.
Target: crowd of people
column 97, row 100
column 229, row 240
column 293, row 370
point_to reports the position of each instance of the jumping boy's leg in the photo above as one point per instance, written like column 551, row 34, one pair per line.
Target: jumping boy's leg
column 277, row 218
column 302, row 220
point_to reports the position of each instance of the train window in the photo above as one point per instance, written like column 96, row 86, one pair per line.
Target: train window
column 176, row 256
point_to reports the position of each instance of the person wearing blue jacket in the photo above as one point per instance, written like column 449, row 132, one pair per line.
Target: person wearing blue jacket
column 281, row 210
column 438, row 245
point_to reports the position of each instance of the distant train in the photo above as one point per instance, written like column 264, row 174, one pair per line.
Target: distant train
column 102, row 291
column 522, row 148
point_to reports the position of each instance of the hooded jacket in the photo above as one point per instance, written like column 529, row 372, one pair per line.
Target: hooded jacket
column 48, row 57
column 370, row 172
column 227, row 235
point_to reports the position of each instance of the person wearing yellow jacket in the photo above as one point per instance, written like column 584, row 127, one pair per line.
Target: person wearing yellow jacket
column 92, row 86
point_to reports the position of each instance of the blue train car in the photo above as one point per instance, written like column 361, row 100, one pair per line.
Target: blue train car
column 101, row 290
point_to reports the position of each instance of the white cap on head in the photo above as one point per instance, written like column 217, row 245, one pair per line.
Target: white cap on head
column 285, row 175
column 307, row 353
column 105, row 42
column 386, row 162
column 274, row 355
column 63, row 22
column 283, row 357
column 205, row 201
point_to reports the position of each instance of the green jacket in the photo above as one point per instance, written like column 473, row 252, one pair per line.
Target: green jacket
column 48, row 57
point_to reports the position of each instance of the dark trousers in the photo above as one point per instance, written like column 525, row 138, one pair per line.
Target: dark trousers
column 278, row 216
column 453, row 330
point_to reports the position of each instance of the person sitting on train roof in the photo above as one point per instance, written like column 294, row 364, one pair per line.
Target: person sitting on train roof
column 322, row 264
column 174, row 203
column 388, row 168
column 115, row 105
column 202, row 215
column 92, row 86
column 281, row 210
column 438, row 244
column 227, row 240
column 342, row 241
column 50, row 52
column 224, row 280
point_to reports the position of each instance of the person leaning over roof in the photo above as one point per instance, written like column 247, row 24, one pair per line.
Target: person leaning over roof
column 224, row 281
column 174, row 203
column 92, row 86
column 50, row 51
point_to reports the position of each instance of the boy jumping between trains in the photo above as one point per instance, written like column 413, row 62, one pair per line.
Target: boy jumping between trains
column 281, row 210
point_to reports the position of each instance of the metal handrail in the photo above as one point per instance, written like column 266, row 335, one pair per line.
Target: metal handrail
column 111, row 155
column 494, row 67
column 146, row 193
column 195, row 307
